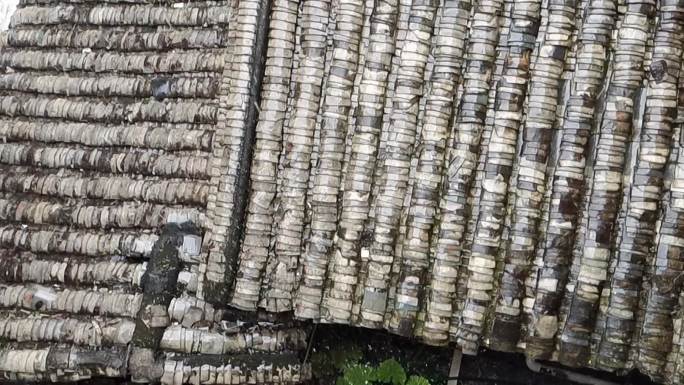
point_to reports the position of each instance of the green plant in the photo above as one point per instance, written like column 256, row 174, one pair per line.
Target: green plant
column 388, row 372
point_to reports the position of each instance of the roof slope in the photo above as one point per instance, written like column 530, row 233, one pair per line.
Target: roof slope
column 494, row 173
column 114, row 118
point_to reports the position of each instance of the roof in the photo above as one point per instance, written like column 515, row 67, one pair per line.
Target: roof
column 112, row 115
column 493, row 174
column 490, row 174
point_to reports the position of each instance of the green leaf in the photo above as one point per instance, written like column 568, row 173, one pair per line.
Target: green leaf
column 417, row 380
column 341, row 381
column 391, row 372
column 359, row 375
